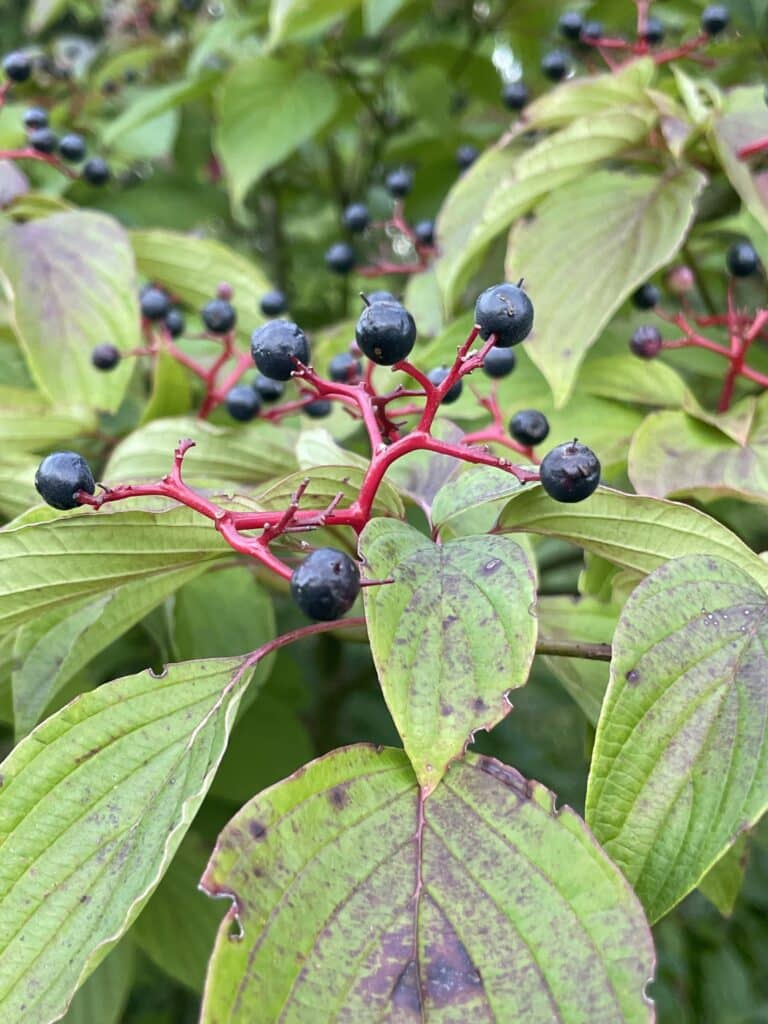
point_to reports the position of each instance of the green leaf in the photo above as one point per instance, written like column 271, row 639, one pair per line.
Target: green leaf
column 476, row 495
column 680, row 763
column 266, row 109
column 325, row 484
column 171, row 390
column 629, row 530
column 192, row 268
column 290, row 19
column 483, row 904
column 625, row 378
column 17, row 488
column 722, row 883
column 72, row 282
column 595, row 94
column 450, row 637
column 223, row 456
column 151, row 103
column 378, row 13
column 744, row 120
column 420, row 475
column 620, row 229
column 96, row 802
column 41, row 13
column 29, row 422
column 316, row 447
column 103, row 997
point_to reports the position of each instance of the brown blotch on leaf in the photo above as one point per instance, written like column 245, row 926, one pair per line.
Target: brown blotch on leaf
column 89, row 753
column 478, row 704
column 511, row 778
column 406, row 995
column 257, row 829
column 446, row 710
column 451, row 977
column 338, row 797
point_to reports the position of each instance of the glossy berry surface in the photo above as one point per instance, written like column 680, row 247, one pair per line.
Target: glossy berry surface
column 466, row 156
column 646, row 297
column 741, row 259
column 326, row 584
column 570, row 25
column 242, row 403
column 60, row 476
column 72, row 148
column 385, row 332
column 437, row 376
column 273, row 303
column 654, row 31
column 515, row 95
column 646, row 342
column 381, row 296
column 175, row 323
column 529, row 427
column 555, row 66
column 499, row 362
column 276, row 346
column 506, row 311
column 219, row 316
column 593, row 30
column 35, row 117
column 340, row 258
column 154, row 304
column 399, row 183
column 714, row 19
column 319, row 409
column 96, row 171
column 570, row 472
column 355, row 217
column 270, row 390
column 105, row 356
column 17, row 67
column 424, row 232
column 43, row 140
column 344, row 368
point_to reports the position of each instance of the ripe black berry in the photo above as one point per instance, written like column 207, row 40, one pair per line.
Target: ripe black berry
column 242, row 403
column 276, row 345
column 344, row 368
column 506, row 311
column 529, row 427
column 175, row 323
column 741, row 259
column 355, row 217
column 570, row 472
column 96, row 171
column 154, row 304
column 60, row 476
column 715, row 19
column 43, row 140
column 399, row 183
column 219, row 316
column 425, row 232
column 381, row 296
column 269, row 389
column 273, row 303
column 499, row 362
column 437, row 376
column 386, row 332
column 326, row 584
column 646, row 297
column 340, row 258
column 72, row 148
column 318, row 409
column 466, row 156
column 654, row 31
column 646, row 342
column 514, row 95
column 105, row 356
column 570, row 25
column 555, row 65
column 592, row 30
column 35, row 117
column 17, row 67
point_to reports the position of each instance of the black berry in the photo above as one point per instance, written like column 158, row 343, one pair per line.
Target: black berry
column 715, row 19
column 72, row 148
column 399, row 183
column 219, row 316
column 529, row 427
column 17, row 67
column 35, row 117
column 570, row 472
column 273, row 303
column 386, row 332
column 276, row 346
column 60, row 476
column 340, row 258
column 741, row 259
column 105, row 356
column 425, row 232
column 466, row 156
column 154, row 304
column 355, row 217
column 318, row 409
column 381, row 296
column 242, row 403
column 654, row 31
column 646, row 342
column 499, row 362
column 269, row 389
column 326, row 584
column 344, row 368
column 555, row 66
column 592, row 30
column 646, row 297
column 43, row 140
column 506, row 311
column 175, row 323
column 514, row 95
column 437, row 376
column 96, row 171
column 570, row 25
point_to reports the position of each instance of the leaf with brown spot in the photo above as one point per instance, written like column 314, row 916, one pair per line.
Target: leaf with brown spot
column 480, row 903
column 454, row 629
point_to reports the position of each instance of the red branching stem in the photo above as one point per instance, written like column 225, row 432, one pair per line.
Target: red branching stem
column 496, row 433
column 27, row 153
column 642, row 22
column 760, row 146
column 683, row 50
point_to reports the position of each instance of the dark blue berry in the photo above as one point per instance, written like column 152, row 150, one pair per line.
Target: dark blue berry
column 340, row 258
column 570, row 472
column 555, row 65
column 381, row 296
column 499, row 362
column 276, row 346
column 653, row 33
column 105, row 356
column 646, row 297
column 273, row 303
column 714, row 19
column 242, row 403
column 318, row 409
column 72, row 148
column 741, row 259
column 355, row 217
column 96, row 171
column 515, row 95
column 175, row 323
column 43, row 140
column 60, row 476
column 437, row 376
column 219, row 316
column 592, row 30
column 424, row 231
column 270, row 390
column 386, row 332
column 344, row 368
column 326, row 584
column 17, row 67
column 646, row 342
column 466, row 156
column 154, row 304
column 399, row 183
column 35, row 117
column 506, row 311
column 570, row 25
column 529, row 427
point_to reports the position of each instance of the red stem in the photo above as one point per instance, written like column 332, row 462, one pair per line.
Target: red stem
column 28, row 153
column 754, row 147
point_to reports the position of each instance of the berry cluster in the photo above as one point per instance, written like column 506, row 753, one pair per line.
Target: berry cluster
column 326, row 582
